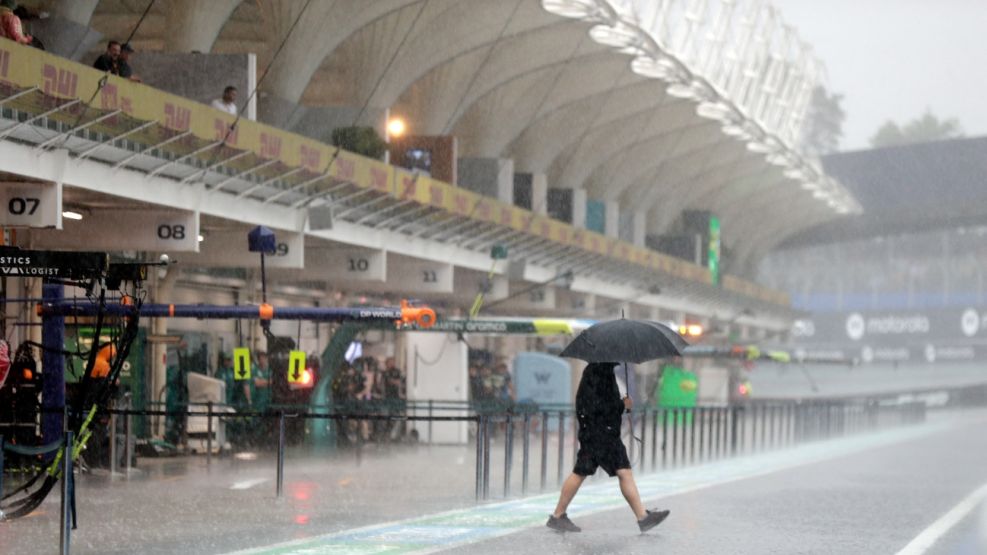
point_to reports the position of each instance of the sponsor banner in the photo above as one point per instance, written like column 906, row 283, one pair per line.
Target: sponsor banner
column 892, row 327
column 68, row 265
column 938, row 335
column 916, row 354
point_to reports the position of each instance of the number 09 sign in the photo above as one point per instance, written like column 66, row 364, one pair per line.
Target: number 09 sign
column 30, row 205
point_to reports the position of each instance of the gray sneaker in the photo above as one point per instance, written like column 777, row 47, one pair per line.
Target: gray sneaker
column 652, row 519
column 562, row 524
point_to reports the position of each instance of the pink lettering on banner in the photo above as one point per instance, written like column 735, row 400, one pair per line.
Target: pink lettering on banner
column 345, row 168
column 483, row 211
column 108, row 97
column 409, row 186
column 177, row 118
column 461, row 203
column 577, row 238
column 222, row 128
column 546, row 230
column 127, row 105
column 4, row 63
column 526, row 221
column 506, row 216
column 564, row 235
column 378, row 178
column 311, row 158
column 436, row 195
column 59, row 82
column 270, row 146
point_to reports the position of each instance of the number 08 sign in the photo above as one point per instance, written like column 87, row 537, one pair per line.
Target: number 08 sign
column 30, row 205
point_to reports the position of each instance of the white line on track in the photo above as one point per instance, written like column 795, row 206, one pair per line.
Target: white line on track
column 247, row 484
column 938, row 529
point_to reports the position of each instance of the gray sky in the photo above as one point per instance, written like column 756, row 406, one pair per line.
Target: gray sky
column 892, row 59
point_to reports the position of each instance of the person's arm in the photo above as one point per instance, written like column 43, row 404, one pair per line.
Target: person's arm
column 13, row 29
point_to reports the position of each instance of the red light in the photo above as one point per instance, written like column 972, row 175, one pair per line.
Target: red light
column 743, row 389
column 307, row 377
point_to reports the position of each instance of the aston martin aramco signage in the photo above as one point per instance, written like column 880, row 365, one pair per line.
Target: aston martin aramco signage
column 930, row 335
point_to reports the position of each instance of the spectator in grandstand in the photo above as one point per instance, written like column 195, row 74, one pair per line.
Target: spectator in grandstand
column 124, row 63
column 10, row 23
column 110, row 60
column 228, row 102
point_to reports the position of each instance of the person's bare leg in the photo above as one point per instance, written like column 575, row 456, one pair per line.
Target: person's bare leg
column 569, row 489
column 629, row 488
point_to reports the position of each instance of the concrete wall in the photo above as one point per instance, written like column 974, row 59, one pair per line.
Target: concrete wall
column 201, row 77
column 492, row 177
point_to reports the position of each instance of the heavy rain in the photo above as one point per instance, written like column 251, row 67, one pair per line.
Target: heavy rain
column 492, row 276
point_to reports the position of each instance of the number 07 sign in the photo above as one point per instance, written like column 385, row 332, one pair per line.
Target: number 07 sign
column 30, row 205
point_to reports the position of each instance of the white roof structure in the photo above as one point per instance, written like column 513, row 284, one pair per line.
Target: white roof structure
column 656, row 107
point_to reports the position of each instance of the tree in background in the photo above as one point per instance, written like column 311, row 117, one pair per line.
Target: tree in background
column 924, row 129
column 824, row 123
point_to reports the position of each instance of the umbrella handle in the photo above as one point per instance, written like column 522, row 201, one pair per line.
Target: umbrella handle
column 627, row 383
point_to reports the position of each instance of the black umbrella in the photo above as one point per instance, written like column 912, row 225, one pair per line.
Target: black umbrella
column 625, row 341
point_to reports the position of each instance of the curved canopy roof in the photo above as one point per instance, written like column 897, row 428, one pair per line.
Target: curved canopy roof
column 661, row 107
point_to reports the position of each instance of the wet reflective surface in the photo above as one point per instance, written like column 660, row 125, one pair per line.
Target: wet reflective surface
column 863, row 494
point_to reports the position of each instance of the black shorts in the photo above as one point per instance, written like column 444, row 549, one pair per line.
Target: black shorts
column 610, row 455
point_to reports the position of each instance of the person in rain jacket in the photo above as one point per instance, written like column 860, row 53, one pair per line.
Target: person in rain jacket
column 599, row 409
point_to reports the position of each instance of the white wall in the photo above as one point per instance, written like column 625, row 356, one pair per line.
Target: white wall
column 437, row 369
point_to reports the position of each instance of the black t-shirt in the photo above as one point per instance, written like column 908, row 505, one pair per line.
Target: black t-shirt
column 106, row 63
column 124, row 69
column 598, row 404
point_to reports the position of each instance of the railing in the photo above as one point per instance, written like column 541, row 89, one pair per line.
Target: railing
column 657, row 439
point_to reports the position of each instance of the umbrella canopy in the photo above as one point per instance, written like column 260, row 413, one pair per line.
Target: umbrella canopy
column 625, row 341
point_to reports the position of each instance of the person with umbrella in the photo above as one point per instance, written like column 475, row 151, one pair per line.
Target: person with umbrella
column 599, row 408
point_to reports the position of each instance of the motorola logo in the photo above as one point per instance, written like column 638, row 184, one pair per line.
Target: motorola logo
column 970, row 322
column 855, row 326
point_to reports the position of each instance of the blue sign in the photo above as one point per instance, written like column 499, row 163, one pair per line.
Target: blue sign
column 542, row 379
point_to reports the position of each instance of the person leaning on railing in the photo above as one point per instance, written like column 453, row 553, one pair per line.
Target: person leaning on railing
column 10, row 24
